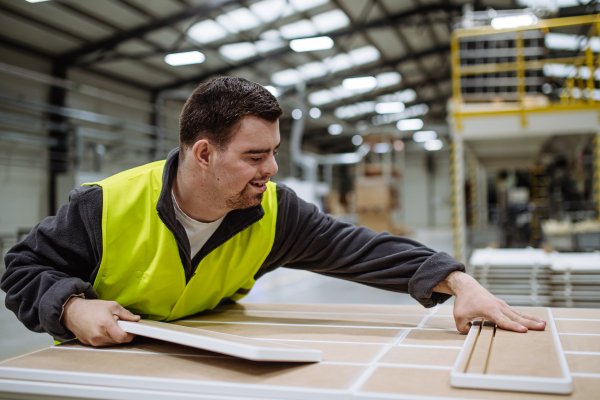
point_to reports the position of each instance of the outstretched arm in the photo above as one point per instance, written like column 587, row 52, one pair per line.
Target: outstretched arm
column 474, row 301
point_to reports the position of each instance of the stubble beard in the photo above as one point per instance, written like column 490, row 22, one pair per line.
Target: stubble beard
column 244, row 199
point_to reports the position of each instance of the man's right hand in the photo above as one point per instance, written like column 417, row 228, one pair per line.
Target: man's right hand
column 94, row 322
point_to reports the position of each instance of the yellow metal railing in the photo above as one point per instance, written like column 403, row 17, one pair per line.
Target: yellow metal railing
column 520, row 66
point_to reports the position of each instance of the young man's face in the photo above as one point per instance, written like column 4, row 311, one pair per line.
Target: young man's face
column 243, row 169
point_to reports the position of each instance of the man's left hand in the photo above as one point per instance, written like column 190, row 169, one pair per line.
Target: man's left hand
column 473, row 301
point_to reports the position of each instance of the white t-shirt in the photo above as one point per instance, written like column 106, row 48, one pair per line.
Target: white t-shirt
column 198, row 232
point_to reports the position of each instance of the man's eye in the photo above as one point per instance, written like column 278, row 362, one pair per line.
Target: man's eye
column 256, row 159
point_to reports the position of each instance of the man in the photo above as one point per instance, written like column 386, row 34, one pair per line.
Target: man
column 176, row 237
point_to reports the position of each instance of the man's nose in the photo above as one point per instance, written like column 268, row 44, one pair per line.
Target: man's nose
column 270, row 167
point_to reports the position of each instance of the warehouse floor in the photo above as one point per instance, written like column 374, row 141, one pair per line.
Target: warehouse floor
column 280, row 286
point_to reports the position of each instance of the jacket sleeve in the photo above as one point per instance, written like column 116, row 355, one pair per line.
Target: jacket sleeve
column 56, row 261
column 308, row 239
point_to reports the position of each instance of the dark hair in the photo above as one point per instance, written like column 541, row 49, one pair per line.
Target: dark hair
column 216, row 108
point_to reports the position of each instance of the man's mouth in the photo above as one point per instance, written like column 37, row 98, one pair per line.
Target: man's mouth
column 258, row 185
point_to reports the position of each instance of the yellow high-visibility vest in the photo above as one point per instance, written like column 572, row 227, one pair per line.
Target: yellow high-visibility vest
column 141, row 268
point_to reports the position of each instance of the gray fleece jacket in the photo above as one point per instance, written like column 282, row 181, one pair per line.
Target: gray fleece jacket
column 62, row 254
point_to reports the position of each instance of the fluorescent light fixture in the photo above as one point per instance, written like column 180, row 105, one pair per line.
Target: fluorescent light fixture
column 353, row 110
column 303, row 5
column 286, row 77
column 562, row 41
column 207, row 31
column 335, row 129
column 398, row 145
column 297, row 113
column 405, row 96
column 36, row 1
column 264, row 46
column 302, row 28
column 386, row 79
column 339, row 62
column 340, row 92
column 514, row 21
column 388, row 108
column 365, row 82
column 312, row 70
column 560, row 70
column 321, row 97
column 357, row 140
column 186, row 58
column 238, row 51
column 382, row 147
column 364, row 55
column 314, row 112
column 410, row 112
column 270, row 10
column 271, row 34
column 331, row 21
column 274, row 91
column 433, row 145
column 239, row 20
column 311, row 44
column 410, row 124
column 424, row 136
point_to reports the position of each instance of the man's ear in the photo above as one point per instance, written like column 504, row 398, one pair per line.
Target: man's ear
column 202, row 152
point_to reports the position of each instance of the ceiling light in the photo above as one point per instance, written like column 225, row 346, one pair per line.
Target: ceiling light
column 409, row 124
column 364, row 55
column 238, row 20
column 274, row 91
column 423, row 136
column 340, row 92
column 303, row 5
column 338, row 62
column 388, row 108
column 381, row 147
column 398, row 145
column 315, row 113
column 352, row 110
column 264, row 46
column 302, row 28
column 271, row 34
column 270, row 10
column 238, row 51
column 335, row 129
column 386, row 79
column 331, row 20
column 562, row 41
column 311, row 44
column 36, row 1
column 297, row 113
column 410, row 112
column 321, row 97
column 186, row 58
column 433, row 145
column 286, row 77
column 357, row 140
column 365, row 82
column 207, row 31
column 514, row 21
column 405, row 96
column 312, row 70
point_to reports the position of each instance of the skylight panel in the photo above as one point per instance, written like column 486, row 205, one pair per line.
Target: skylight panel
column 312, row 70
column 331, row 20
column 364, row 55
column 207, row 31
column 321, row 97
column 286, row 77
column 270, row 10
column 264, row 46
column 386, row 79
column 338, row 62
column 239, row 20
column 303, row 5
column 302, row 28
column 238, row 51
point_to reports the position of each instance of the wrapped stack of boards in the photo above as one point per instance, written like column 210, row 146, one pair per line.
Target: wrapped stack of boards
column 576, row 280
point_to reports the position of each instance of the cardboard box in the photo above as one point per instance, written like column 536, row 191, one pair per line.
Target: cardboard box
column 372, row 194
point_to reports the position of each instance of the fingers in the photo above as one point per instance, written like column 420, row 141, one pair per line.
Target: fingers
column 529, row 321
column 506, row 323
column 124, row 314
column 463, row 324
column 118, row 335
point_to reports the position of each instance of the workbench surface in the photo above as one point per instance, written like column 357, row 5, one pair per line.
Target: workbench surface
column 369, row 352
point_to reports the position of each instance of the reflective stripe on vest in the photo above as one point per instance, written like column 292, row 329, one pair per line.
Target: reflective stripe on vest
column 141, row 268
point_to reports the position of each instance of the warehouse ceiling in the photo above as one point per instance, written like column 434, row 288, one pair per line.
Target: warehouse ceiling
column 403, row 43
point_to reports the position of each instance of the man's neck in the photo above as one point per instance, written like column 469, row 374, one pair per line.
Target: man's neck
column 195, row 196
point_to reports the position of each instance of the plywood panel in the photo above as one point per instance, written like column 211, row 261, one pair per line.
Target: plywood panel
column 565, row 326
column 444, row 310
column 442, row 322
column 584, row 363
column 580, row 343
column 323, row 319
column 420, row 356
column 329, row 308
column 143, row 344
column 434, row 338
column 429, row 382
column 214, row 369
column 329, row 334
column 580, row 313
column 478, row 362
column 342, row 352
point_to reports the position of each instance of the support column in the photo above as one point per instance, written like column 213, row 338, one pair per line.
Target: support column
column 458, row 203
column 597, row 172
column 58, row 161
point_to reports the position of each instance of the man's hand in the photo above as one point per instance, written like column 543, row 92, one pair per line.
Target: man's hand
column 94, row 322
column 474, row 301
